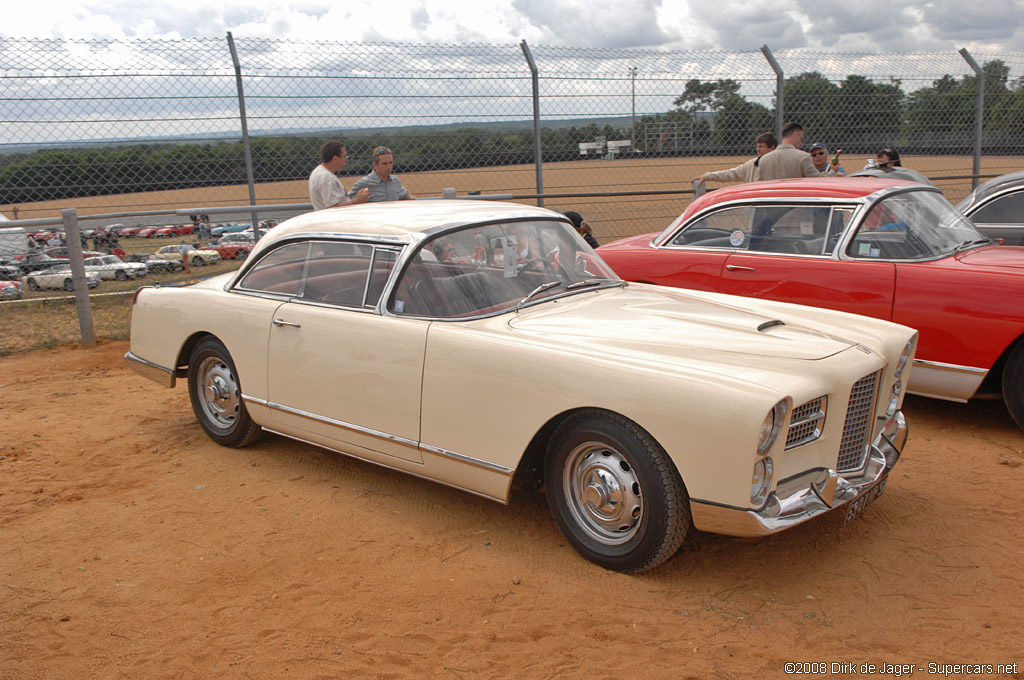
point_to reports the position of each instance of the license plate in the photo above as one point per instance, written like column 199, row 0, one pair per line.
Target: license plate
column 855, row 507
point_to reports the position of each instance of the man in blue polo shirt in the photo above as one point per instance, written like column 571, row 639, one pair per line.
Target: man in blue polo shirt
column 382, row 184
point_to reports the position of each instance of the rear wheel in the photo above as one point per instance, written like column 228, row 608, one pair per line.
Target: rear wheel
column 1013, row 384
column 614, row 493
column 216, row 396
column 69, row 284
column 32, row 284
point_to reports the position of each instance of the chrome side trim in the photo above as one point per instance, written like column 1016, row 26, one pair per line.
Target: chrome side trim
column 945, row 381
column 808, row 495
column 476, row 462
column 147, row 369
column 503, row 501
column 376, row 434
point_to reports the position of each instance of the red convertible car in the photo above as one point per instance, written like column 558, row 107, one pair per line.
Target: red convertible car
column 884, row 248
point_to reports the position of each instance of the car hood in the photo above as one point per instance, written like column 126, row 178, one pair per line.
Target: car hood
column 671, row 322
column 640, row 241
column 1011, row 257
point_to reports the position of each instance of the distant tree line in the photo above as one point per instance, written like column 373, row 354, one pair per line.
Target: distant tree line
column 709, row 118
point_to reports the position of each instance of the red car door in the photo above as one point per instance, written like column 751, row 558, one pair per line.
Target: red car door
column 857, row 286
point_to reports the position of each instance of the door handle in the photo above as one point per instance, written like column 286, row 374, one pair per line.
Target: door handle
column 282, row 322
column 735, row 267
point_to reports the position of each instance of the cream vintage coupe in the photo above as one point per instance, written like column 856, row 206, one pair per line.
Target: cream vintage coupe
column 483, row 344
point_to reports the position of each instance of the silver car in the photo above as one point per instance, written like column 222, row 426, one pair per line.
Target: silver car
column 997, row 208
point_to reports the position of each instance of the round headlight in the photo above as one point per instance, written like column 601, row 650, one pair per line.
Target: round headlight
column 761, row 481
column 901, row 365
column 770, row 428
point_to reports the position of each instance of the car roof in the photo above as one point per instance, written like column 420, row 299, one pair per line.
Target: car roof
column 403, row 218
column 841, row 188
column 998, row 184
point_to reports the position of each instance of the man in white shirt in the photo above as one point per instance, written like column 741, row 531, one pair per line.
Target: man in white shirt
column 325, row 189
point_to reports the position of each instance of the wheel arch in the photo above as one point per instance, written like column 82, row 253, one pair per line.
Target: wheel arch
column 993, row 382
column 529, row 473
column 181, row 362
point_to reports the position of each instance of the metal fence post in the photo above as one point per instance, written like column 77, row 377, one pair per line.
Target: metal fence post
column 979, row 112
column 537, row 153
column 780, row 89
column 246, row 147
column 73, row 238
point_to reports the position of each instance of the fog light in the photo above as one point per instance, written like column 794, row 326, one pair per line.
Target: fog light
column 891, row 409
column 761, row 481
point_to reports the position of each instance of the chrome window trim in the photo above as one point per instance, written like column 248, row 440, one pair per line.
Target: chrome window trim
column 376, row 434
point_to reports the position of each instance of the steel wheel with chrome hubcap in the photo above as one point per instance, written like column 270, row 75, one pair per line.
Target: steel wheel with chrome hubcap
column 216, row 397
column 614, row 492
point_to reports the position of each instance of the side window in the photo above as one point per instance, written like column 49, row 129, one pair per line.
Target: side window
column 729, row 228
column 837, row 225
column 1007, row 209
column 338, row 272
column 279, row 272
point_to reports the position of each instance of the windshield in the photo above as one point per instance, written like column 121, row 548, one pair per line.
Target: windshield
column 913, row 225
column 488, row 269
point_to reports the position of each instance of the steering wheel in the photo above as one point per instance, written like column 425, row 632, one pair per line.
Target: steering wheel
column 537, row 260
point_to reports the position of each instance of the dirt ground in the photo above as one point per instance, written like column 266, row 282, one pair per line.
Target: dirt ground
column 133, row 547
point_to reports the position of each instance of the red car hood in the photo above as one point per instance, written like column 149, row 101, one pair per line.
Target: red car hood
column 641, row 241
column 1010, row 257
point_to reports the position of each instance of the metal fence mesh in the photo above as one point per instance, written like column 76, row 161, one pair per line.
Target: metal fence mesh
column 135, row 126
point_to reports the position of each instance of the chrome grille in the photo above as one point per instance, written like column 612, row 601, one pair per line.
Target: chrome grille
column 857, row 429
column 807, row 422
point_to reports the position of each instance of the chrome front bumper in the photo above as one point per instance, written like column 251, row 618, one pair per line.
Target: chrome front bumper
column 801, row 498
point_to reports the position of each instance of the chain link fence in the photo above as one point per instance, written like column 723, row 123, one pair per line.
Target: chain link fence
column 128, row 131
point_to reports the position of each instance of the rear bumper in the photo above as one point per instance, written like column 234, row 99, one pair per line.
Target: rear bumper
column 147, row 369
column 804, row 497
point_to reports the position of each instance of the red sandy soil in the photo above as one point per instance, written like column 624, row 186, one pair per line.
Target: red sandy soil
column 133, row 547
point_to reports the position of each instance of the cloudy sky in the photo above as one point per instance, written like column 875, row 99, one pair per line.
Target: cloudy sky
column 993, row 26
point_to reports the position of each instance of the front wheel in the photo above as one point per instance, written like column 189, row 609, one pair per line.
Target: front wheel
column 33, row 284
column 121, row 275
column 1013, row 385
column 198, row 262
column 614, row 493
column 217, row 398
column 69, row 284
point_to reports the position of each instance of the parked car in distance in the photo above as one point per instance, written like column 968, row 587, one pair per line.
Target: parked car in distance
column 35, row 261
column 883, row 248
column 58, row 277
column 128, row 232
column 10, row 290
column 480, row 344
column 232, row 249
column 197, row 256
column 228, row 228
column 9, row 270
column 146, row 232
column 156, row 265
column 61, row 252
column 171, row 230
column 997, row 208
column 111, row 267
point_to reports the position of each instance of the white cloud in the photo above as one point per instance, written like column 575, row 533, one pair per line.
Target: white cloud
column 838, row 25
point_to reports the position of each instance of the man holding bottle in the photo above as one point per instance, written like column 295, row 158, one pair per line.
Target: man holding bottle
column 819, row 155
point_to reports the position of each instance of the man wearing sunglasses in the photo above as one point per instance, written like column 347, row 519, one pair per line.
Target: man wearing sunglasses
column 382, row 184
